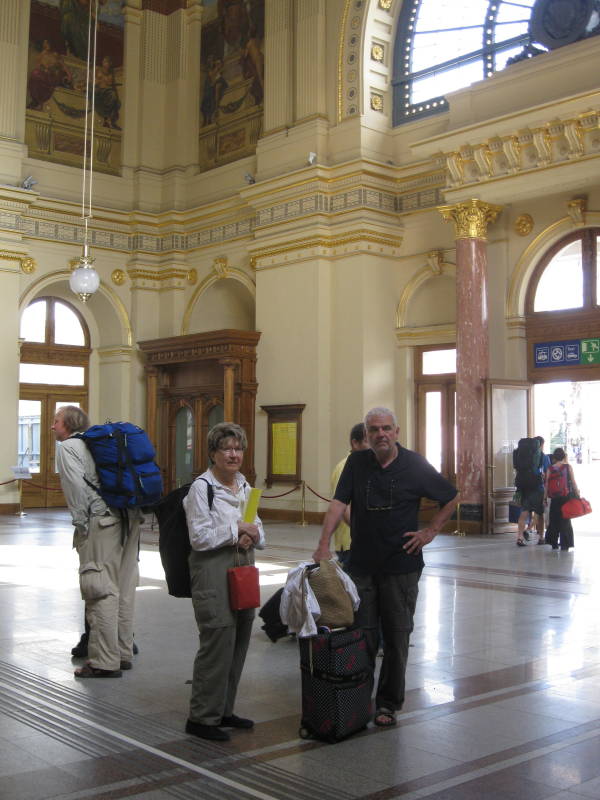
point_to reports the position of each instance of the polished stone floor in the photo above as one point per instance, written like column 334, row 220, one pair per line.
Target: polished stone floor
column 503, row 684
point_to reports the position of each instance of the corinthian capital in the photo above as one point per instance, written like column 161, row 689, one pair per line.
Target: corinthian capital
column 471, row 218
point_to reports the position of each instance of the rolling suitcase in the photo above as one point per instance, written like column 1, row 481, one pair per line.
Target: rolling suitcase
column 337, row 681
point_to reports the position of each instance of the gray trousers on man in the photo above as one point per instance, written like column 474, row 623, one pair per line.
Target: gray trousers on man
column 224, row 637
column 391, row 599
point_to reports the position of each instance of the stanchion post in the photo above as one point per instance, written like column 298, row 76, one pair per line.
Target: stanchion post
column 303, row 521
column 458, row 531
column 20, row 512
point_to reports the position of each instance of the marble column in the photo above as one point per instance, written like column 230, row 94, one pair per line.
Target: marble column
column 471, row 219
column 229, row 365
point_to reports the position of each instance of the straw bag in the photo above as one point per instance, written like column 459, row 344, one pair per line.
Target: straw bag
column 333, row 599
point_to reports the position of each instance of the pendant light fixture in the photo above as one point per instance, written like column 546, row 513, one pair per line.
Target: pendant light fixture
column 84, row 280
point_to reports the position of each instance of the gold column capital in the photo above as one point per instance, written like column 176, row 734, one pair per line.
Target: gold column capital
column 471, row 218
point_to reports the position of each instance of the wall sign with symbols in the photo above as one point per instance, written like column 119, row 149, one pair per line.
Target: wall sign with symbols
column 565, row 353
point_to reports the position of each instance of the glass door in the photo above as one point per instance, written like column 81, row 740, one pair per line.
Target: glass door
column 508, row 419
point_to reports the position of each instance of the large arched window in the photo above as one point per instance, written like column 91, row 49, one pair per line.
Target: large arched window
column 445, row 45
column 568, row 275
column 55, row 354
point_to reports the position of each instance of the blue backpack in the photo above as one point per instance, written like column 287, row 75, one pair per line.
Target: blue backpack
column 124, row 458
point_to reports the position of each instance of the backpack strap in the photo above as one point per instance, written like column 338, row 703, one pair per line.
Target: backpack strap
column 210, row 492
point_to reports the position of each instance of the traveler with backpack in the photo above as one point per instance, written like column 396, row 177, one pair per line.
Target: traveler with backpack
column 220, row 539
column 528, row 460
column 107, row 542
column 559, row 487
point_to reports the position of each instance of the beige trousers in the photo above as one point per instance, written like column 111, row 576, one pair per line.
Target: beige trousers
column 108, row 572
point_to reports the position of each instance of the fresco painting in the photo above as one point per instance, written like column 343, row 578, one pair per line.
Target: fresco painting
column 56, row 83
column 232, row 80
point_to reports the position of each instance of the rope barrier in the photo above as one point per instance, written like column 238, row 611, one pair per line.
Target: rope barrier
column 13, row 480
column 317, row 494
column 47, row 488
column 273, row 496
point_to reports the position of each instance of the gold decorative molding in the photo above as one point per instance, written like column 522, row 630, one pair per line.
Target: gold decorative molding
column 576, row 209
column 73, row 263
column 523, row 224
column 325, row 244
column 118, row 277
column 385, row 4
column 376, row 101
column 221, row 267
column 426, row 335
column 471, row 218
column 26, row 263
column 377, row 52
column 192, row 276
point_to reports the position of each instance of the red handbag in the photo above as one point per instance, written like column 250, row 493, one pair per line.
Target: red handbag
column 576, row 507
column 244, row 587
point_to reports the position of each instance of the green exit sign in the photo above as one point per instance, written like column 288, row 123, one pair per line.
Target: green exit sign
column 590, row 351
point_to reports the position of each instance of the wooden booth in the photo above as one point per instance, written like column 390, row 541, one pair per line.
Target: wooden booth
column 193, row 382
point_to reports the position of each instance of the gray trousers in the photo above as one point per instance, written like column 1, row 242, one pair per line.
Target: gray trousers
column 109, row 575
column 389, row 600
column 224, row 637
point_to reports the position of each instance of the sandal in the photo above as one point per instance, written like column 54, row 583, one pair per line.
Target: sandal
column 384, row 718
column 95, row 672
column 521, row 543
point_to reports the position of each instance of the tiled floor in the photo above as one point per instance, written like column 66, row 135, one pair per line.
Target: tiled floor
column 503, row 680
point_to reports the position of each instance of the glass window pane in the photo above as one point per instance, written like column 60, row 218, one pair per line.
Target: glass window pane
column 184, row 446
column 436, row 48
column 67, row 327
column 442, row 82
column 51, row 374
column 439, row 362
column 597, row 270
column 509, row 424
column 505, row 32
column 28, row 453
column 561, row 283
column 33, row 322
column 433, row 429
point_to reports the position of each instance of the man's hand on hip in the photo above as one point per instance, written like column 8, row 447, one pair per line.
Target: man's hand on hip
column 416, row 540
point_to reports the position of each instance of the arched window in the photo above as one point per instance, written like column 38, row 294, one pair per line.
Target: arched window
column 55, row 354
column 567, row 277
column 445, row 45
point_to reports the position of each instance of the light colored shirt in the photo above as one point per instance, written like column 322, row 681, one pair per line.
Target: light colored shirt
column 210, row 529
column 342, row 532
column 74, row 462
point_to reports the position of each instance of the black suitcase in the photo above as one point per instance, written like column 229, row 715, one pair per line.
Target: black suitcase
column 337, row 681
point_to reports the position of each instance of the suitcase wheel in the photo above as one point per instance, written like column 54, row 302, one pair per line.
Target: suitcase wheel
column 304, row 733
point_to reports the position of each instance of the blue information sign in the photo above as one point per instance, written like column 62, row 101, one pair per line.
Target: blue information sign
column 557, row 354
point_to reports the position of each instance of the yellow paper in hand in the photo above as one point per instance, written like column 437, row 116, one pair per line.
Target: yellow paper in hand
column 252, row 505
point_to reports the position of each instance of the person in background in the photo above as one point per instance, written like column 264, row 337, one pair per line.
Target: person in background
column 559, row 485
column 341, row 535
column 107, row 543
column 219, row 539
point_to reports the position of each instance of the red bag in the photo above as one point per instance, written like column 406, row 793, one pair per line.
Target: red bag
column 576, row 507
column 244, row 588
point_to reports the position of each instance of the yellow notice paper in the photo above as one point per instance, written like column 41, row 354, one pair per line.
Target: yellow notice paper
column 252, row 505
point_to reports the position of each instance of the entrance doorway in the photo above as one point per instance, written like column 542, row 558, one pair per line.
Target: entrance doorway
column 566, row 415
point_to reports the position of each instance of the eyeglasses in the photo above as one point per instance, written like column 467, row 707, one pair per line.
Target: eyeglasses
column 232, row 451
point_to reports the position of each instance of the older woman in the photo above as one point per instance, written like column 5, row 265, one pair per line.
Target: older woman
column 214, row 508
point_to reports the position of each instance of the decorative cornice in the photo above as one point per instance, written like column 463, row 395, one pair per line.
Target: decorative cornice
column 351, row 243
column 427, row 334
column 527, row 149
column 471, row 218
column 26, row 263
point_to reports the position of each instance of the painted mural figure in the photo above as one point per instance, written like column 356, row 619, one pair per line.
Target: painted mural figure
column 214, row 87
column 48, row 73
column 234, row 23
column 74, row 21
column 106, row 95
column 253, row 65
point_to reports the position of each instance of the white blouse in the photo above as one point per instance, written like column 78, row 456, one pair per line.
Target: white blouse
column 218, row 527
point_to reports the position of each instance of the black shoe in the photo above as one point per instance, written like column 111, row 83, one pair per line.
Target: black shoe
column 135, row 649
column 212, row 732
column 126, row 665
column 81, row 648
column 236, row 722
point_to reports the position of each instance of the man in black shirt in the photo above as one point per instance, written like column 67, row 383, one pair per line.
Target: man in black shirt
column 384, row 486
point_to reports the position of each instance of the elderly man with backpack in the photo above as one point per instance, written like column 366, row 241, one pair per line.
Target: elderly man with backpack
column 107, row 542
column 528, row 461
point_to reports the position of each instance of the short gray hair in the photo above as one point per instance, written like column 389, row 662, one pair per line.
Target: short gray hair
column 380, row 411
column 225, row 430
column 74, row 418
